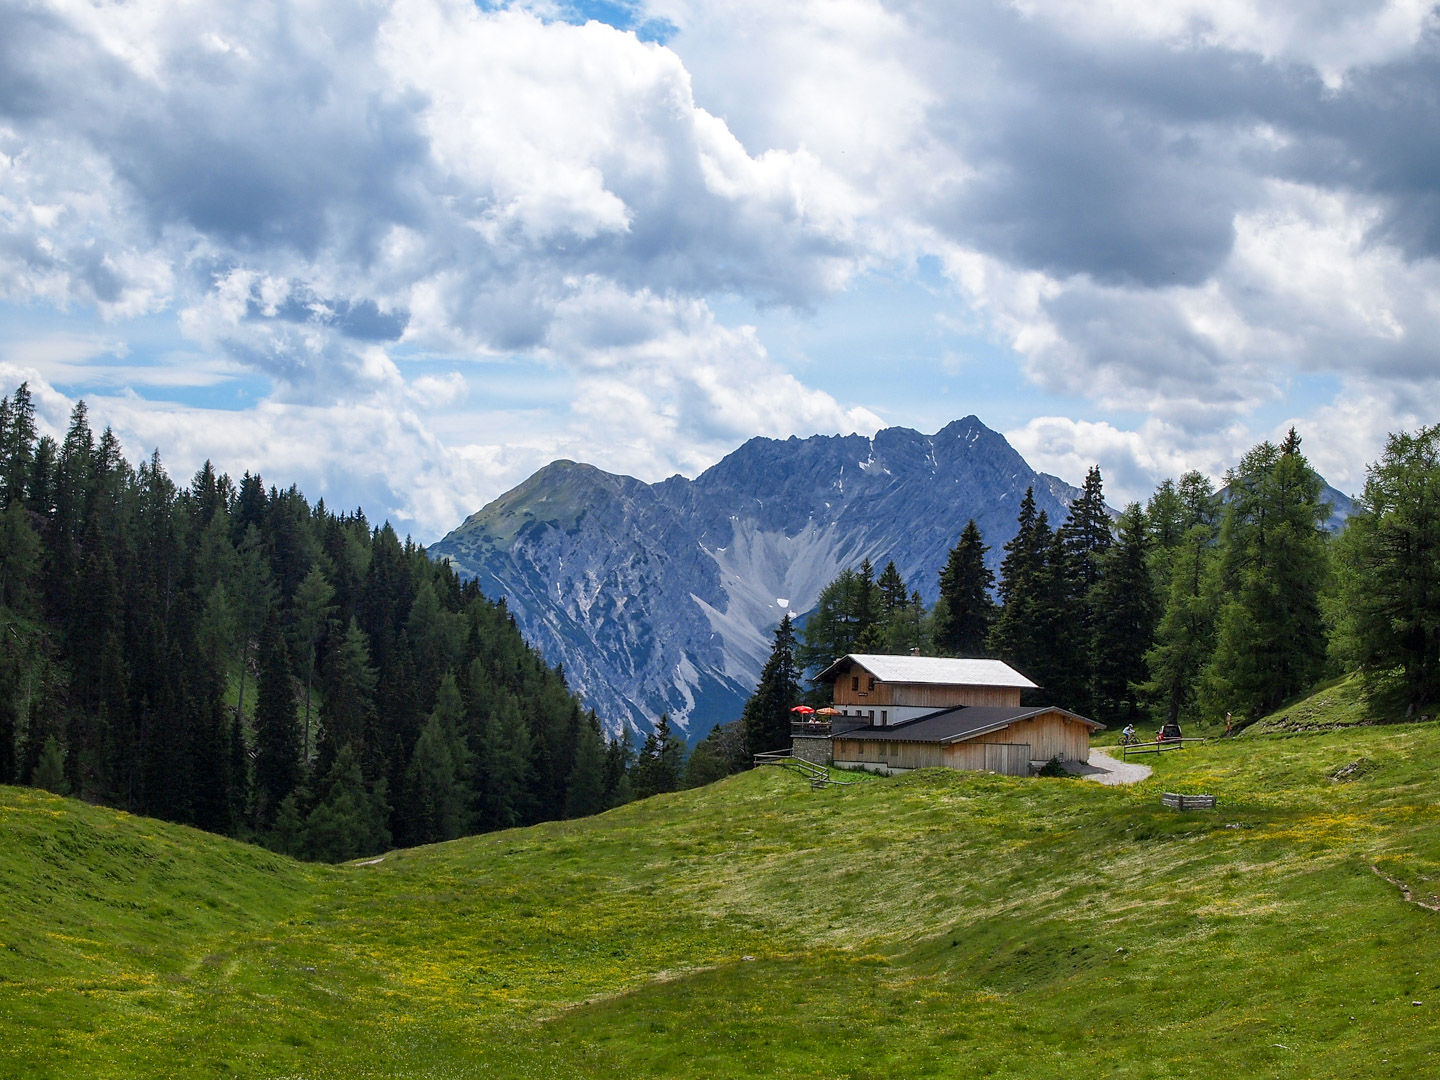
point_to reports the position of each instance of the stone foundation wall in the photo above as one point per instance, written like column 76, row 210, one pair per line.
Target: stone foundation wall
column 816, row 751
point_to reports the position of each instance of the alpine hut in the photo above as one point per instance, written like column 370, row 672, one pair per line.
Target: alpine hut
column 896, row 713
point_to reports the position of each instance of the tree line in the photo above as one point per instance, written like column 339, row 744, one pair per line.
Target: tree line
column 1198, row 605
column 228, row 656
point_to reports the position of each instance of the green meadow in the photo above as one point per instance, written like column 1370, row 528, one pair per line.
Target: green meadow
column 936, row 924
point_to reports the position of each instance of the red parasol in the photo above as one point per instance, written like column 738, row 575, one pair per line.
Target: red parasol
column 802, row 709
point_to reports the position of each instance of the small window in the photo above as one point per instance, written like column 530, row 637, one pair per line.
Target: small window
column 872, row 717
column 872, row 683
column 854, row 682
column 884, row 717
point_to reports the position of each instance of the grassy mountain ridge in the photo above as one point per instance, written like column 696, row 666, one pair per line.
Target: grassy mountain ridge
column 936, row 924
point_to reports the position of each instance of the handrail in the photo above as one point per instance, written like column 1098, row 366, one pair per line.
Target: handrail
column 1156, row 746
column 818, row 775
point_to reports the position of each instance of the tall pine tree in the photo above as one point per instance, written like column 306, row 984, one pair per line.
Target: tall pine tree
column 661, row 762
column 1016, row 635
column 1124, row 604
column 767, row 715
column 962, row 624
column 277, row 734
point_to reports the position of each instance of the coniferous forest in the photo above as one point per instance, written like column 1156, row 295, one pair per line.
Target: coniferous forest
column 231, row 657
column 1200, row 605
column 228, row 656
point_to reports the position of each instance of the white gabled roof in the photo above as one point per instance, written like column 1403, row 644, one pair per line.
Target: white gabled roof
column 939, row 670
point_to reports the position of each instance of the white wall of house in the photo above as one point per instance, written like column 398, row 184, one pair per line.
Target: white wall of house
column 886, row 715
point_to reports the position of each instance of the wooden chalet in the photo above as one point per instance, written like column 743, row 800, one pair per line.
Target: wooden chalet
column 896, row 713
column 887, row 690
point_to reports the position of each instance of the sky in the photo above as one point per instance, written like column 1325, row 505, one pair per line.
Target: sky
column 402, row 253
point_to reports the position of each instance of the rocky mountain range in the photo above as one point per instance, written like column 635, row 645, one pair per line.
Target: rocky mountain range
column 663, row 598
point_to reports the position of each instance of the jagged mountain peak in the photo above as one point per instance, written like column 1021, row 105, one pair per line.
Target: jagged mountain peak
column 662, row 597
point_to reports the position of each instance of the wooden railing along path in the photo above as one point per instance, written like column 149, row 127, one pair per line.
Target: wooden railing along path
column 818, row 775
column 1156, row 747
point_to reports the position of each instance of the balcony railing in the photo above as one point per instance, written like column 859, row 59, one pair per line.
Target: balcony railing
column 816, row 728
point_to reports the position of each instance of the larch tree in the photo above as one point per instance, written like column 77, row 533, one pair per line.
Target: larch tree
column 1185, row 633
column 1389, row 567
column 837, row 624
column 1270, row 636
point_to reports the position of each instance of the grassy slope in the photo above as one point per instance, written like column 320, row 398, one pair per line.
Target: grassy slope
column 937, row 924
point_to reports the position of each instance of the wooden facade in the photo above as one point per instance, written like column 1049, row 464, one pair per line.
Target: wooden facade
column 1009, row 750
column 866, row 692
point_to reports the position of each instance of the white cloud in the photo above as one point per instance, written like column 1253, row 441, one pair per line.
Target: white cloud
column 1172, row 211
column 1332, row 37
column 664, row 387
column 1132, row 462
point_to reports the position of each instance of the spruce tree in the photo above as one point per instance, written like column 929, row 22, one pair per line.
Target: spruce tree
column 19, row 558
column 350, row 819
column 1185, row 635
column 277, row 734
column 898, row 628
column 767, row 715
column 894, row 596
column 40, row 489
column 1087, row 540
column 17, row 441
column 313, row 610
column 1060, row 660
column 436, row 775
column 252, row 600
column 1164, row 515
column 1125, row 603
column 963, row 624
column 619, row 760
column 347, row 708
column 1015, row 635
column 706, row 763
column 506, row 768
column 1088, row 531
column 585, row 786
column 659, row 767
column 49, row 771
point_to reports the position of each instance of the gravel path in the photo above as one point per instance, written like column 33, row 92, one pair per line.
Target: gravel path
column 1105, row 769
